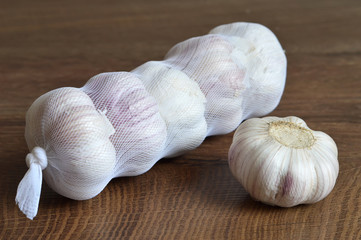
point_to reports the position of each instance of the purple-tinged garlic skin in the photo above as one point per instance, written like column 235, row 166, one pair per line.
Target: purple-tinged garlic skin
column 280, row 161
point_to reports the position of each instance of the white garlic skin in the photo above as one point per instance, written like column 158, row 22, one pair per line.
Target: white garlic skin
column 280, row 161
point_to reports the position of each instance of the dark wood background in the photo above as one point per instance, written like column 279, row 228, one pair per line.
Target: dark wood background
column 45, row 45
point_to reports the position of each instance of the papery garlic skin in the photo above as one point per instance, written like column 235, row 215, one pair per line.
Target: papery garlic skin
column 280, row 161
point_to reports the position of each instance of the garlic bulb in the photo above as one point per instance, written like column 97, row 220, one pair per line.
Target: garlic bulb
column 122, row 123
column 280, row 161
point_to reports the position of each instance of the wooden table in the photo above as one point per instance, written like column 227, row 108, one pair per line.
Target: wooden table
column 45, row 45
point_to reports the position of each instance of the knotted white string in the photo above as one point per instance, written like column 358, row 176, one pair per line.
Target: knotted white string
column 28, row 193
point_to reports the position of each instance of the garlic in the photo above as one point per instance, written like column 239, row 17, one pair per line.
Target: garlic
column 122, row 123
column 184, row 114
column 280, row 161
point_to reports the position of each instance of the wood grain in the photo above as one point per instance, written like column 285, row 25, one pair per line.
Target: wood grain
column 45, row 45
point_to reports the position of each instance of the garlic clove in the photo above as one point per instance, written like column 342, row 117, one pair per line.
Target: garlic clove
column 280, row 161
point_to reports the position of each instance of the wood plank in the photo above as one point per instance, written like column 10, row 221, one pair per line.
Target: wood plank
column 45, row 45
